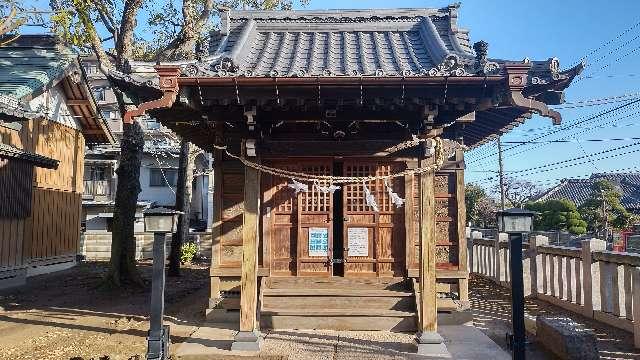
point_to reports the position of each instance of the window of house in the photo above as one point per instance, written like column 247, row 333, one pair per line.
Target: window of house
column 153, row 125
column 158, row 179
column 99, row 94
column 91, row 69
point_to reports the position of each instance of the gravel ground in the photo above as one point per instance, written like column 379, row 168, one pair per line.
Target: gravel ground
column 491, row 306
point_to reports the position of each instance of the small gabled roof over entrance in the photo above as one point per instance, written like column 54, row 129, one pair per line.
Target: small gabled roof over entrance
column 31, row 65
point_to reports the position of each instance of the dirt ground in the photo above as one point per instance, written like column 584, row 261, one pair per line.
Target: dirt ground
column 65, row 316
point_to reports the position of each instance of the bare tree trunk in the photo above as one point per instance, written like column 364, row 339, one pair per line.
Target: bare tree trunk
column 123, row 245
column 183, row 203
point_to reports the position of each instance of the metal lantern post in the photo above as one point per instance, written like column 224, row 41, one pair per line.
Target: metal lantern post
column 516, row 222
column 159, row 221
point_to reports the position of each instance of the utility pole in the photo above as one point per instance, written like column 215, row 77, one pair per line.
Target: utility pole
column 501, row 174
column 605, row 218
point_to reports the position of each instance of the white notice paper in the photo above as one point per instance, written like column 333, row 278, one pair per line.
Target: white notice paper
column 358, row 241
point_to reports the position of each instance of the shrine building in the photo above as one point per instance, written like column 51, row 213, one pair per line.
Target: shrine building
column 339, row 139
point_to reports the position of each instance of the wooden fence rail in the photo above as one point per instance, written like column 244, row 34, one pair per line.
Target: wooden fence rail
column 591, row 281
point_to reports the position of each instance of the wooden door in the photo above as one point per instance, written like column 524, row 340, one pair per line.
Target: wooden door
column 374, row 241
column 315, row 216
column 290, row 218
column 280, row 223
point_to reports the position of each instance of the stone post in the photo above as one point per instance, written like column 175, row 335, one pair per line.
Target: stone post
column 635, row 278
column 467, row 236
column 591, row 276
column 501, row 265
column 535, row 262
column 479, row 258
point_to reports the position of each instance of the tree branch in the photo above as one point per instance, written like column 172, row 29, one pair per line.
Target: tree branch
column 124, row 41
column 182, row 47
column 106, row 18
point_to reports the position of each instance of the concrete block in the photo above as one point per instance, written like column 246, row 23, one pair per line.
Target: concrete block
column 432, row 344
column 247, row 341
column 566, row 338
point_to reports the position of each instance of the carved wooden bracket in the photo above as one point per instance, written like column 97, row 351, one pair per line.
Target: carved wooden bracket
column 168, row 85
column 516, row 82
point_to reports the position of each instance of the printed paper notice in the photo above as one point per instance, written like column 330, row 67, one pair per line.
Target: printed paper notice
column 358, row 241
column 318, row 241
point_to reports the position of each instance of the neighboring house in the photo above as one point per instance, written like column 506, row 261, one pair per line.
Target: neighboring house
column 579, row 190
column 47, row 117
column 158, row 174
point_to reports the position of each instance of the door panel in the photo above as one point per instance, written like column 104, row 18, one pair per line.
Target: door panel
column 315, row 211
column 280, row 207
column 289, row 217
column 384, row 252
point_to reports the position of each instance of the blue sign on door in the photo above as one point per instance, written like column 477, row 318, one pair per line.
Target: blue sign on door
column 318, row 241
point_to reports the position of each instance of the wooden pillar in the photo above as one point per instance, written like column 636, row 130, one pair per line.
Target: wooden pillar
column 428, row 307
column 248, row 339
column 463, row 283
column 429, row 341
column 215, row 183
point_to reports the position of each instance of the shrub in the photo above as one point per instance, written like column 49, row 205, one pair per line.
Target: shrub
column 188, row 252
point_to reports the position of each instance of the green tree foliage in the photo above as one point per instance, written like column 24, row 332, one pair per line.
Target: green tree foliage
column 604, row 209
column 481, row 209
column 472, row 195
column 561, row 215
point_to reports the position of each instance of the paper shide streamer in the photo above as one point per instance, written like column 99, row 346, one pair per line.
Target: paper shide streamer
column 395, row 198
column 325, row 189
column 371, row 200
column 298, row 186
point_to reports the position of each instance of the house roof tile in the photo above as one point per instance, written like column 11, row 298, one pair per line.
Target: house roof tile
column 579, row 190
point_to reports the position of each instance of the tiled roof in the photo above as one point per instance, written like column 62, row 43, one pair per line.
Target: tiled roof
column 579, row 190
column 11, row 152
column 30, row 63
column 341, row 42
column 29, row 66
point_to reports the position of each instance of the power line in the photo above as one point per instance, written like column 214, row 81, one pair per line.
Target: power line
column 602, row 46
column 578, row 133
column 559, row 179
column 573, row 140
column 564, row 128
column 568, row 163
column 611, row 63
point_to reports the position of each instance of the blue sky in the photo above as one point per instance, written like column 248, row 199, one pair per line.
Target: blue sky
column 569, row 30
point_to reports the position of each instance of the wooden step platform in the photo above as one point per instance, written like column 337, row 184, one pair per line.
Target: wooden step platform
column 337, row 304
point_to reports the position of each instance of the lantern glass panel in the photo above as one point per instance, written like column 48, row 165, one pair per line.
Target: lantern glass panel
column 516, row 224
column 164, row 223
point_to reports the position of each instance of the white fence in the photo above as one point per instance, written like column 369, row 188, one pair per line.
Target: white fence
column 591, row 281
